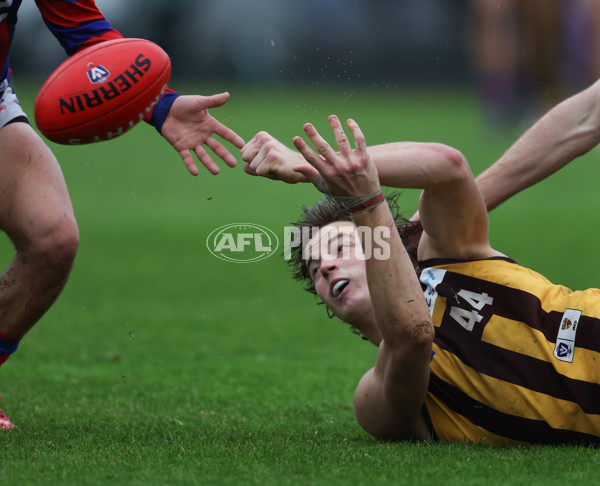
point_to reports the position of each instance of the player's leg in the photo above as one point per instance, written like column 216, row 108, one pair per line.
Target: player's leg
column 541, row 42
column 36, row 214
column 5, row 423
column 590, row 44
column 492, row 46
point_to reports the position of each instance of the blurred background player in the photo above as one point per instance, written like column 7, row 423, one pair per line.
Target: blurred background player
column 527, row 56
column 35, row 208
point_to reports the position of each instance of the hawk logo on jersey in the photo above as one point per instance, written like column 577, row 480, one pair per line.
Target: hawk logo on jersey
column 566, row 323
column 97, row 74
column 565, row 340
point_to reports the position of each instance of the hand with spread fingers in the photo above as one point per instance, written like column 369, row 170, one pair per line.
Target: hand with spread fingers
column 189, row 127
column 347, row 173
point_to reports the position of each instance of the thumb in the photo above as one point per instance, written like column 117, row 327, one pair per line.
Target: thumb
column 307, row 171
column 216, row 100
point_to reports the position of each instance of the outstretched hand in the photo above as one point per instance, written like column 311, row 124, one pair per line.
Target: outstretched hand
column 189, row 127
column 349, row 172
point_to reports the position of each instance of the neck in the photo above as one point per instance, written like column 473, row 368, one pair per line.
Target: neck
column 369, row 329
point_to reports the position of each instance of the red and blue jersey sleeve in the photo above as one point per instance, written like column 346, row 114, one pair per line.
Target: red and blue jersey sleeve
column 76, row 23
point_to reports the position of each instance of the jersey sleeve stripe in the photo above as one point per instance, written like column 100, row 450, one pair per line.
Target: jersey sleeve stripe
column 72, row 39
column 68, row 14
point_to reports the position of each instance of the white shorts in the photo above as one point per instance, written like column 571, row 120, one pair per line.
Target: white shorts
column 10, row 109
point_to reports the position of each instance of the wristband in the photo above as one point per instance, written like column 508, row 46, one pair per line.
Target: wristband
column 358, row 204
column 161, row 110
column 369, row 204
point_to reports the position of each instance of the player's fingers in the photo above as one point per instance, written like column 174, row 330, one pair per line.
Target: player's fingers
column 206, row 160
column 319, row 142
column 215, row 101
column 228, row 134
column 221, row 151
column 249, row 170
column 249, row 151
column 253, row 154
column 340, row 136
column 255, row 146
column 189, row 162
column 359, row 138
column 308, row 171
column 266, row 170
column 309, row 155
column 259, row 158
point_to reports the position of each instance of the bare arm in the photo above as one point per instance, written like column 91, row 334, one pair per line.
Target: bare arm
column 390, row 397
column 451, row 208
column 567, row 131
column 266, row 156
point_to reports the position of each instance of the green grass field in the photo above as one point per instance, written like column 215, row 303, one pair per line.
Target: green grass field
column 161, row 364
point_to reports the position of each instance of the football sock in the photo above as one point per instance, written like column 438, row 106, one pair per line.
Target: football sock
column 7, row 347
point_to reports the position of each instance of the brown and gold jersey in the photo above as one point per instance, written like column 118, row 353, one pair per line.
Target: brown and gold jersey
column 516, row 358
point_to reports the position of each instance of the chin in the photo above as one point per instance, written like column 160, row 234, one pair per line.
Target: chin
column 353, row 316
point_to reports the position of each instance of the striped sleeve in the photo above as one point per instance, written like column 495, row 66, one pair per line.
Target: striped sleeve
column 76, row 23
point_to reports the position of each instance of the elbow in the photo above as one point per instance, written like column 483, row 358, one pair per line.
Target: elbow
column 415, row 338
column 424, row 334
column 582, row 112
column 452, row 164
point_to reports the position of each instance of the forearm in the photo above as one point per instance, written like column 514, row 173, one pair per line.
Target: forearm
column 397, row 296
column 403, row 320
column 569, row 130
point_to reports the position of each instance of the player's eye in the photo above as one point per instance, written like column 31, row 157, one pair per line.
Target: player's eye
column 313, row 268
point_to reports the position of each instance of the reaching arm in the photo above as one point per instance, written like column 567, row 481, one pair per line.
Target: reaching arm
column 266, row 156
column 451, row 207
column 390, row 397
column 567, row 131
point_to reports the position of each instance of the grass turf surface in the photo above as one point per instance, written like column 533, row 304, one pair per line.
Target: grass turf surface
column 161, row 364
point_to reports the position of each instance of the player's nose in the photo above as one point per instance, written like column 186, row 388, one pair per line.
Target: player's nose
column 327, row 268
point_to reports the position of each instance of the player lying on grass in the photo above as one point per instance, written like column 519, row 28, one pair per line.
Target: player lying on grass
column 35, row 208
column 514, row 357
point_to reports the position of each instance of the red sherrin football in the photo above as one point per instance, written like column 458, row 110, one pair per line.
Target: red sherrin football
column 101, row 92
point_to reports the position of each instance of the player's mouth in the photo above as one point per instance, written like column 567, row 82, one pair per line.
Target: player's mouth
column 337, row 287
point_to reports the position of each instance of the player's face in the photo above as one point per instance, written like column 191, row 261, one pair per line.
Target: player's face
column 337, row 267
